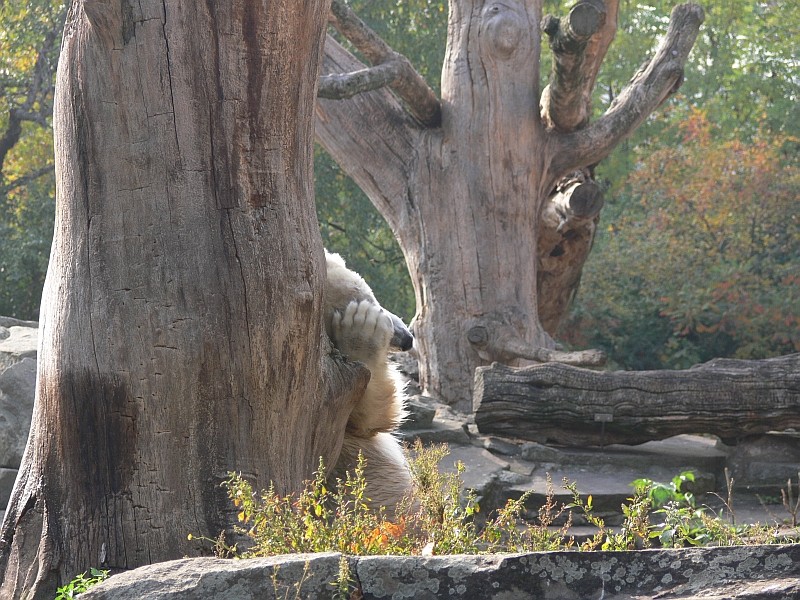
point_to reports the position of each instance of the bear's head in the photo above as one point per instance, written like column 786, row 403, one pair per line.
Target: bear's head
column 344, row 286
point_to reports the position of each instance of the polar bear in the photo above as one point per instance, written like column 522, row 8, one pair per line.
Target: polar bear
column 363, row 331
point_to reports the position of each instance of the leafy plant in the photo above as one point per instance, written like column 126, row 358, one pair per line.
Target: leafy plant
column 635, row 531
column 81, row 583
column 318, row 519
column 686, row 524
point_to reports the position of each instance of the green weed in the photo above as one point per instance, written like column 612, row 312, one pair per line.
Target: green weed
column 81, row 583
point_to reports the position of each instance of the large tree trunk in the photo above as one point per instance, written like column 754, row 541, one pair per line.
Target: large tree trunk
column 472, row 197
column 181, row 332
column 577, row 407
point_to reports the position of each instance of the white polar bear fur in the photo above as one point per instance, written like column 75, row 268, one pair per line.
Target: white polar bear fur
column 361, row 330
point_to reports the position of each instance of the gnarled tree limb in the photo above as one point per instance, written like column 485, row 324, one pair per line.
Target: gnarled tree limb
column 566, row 101
column 579, row 43
column 340, row 86
column 645, row 92
column 389, row 68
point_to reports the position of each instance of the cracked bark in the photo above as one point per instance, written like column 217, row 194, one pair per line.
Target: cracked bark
column 576, row 407
column 181, row 328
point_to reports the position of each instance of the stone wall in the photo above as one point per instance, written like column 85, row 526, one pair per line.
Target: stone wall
column 762, row 572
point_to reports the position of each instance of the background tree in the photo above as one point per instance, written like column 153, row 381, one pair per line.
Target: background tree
column 744, row 78
column 474, row 187
column 181, row 330
column 29, row 41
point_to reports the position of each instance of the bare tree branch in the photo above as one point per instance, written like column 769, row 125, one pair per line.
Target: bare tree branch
column 579, row 43
column 650, row 87
column 389, row 68
column 10, row 136
column 339, row 86
column 598, row 46
column 26, row 179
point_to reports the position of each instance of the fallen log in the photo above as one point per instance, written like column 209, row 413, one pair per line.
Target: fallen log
column 579, row 407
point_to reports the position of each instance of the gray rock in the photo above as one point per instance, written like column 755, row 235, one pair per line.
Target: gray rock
column 20, row 342
column 763, row 572
column 766, row 461
column 17, row 390
column 7, row 478
column 535, row 452
column 295, row 576
column 421, row 411
column 12, row 322
column 480, row 466
column 501, row 446
column 443, row 430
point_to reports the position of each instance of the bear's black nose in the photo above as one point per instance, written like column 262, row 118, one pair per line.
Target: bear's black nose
column 402, row 338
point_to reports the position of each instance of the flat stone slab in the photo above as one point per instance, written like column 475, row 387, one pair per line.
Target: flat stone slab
column 481, row 466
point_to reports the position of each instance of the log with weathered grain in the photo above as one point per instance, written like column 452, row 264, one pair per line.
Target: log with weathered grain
column 573, row 406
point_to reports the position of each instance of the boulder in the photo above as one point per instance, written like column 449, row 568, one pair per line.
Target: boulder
column 763, row 572
column 18, row 340
column 17, row 390
column 18, row 345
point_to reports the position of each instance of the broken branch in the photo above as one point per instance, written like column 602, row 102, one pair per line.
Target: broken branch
column 566, row 101
column 339, row 86
column 567, row 226
column 496, row 340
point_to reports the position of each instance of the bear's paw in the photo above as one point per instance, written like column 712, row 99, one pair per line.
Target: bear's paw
column 363, row 331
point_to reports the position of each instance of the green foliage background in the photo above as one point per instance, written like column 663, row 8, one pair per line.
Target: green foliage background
column 698, row 248
column 29, row 34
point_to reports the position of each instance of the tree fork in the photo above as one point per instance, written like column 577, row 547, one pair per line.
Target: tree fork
column 579, row 44
column 645, row 92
